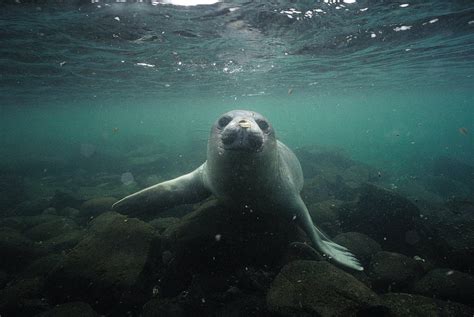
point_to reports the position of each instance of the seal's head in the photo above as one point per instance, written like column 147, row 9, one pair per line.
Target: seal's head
column 242, row 131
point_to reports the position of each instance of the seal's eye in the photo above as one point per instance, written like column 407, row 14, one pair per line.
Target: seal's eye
column 224, row 121
column 263, row 124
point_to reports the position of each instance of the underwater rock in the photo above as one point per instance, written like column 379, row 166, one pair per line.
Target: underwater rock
column 331, row 174
column 68, row 212
column 447, row 284
column 386, row 217
column 446, row 187
column 4, row 278
column 161, row 224
column 107, row 267
column 325, row 215
column 164, row 307
column 318, row 288
column 402, row 304
column 64, row 241
column 454, row 240
column 96, row 206
column 455, row 170
column 393, row 271
column 12, row 191
column 71, row 309
column 50, row 229
column 30, row 207
column 23, row 297
column 16, row 251
column 216, row 238
column 42, row 266
column 362, row 246
column 63, row 199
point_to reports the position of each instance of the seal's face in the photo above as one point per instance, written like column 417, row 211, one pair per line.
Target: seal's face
column 242, row 131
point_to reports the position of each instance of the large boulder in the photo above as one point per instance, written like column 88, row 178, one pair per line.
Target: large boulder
column 95, row 206
column 23, row 297
column 402, row 304
column 17, row 251
column 217, row 238
column 361, row 245
column 320, row 289
column 107, row 268
column 393, row 271
column 72, row 309
column 385, row 216
column 447, row 284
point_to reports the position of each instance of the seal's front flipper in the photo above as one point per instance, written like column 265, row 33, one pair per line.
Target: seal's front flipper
column 186, row 189
column 335, row 252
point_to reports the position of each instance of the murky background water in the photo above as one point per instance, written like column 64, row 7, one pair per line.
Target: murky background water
column 101, row 99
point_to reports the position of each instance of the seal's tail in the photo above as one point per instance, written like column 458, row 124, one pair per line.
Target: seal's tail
column 337, row 253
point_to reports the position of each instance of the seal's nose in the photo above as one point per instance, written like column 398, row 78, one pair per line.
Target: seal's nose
column 244, row 124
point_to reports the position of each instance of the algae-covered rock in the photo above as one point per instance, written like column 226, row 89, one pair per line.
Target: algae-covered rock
column 402, row 304
column 106, row 268
column 393, row 271
column 447, row 284
column 71, row 309
column 23, row 297
column 320, row 289
column 50, row 229
column 386, row 217
column 96, row 206
column 361, row 245
column 161, row 224
column 17, row 251
column 218, row 238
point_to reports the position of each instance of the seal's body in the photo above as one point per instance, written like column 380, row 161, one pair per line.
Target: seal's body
column 246, row 166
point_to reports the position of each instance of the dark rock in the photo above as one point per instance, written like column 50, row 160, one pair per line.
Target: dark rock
column 68, row 212
column 401, row 305
column 108, row 267
column 12, row 191
column 447, row 284
column 161, row 224
column 64, row 241
column 96, row 206
column 4, row 278
column 50, row 229
column 30, row 207
column 456, row 170
column 446, row 187
column 300, row 251
column 385, row 216
column 359, row 244
column 50, row 211
column 325, row 215
column 16, row 251
column 394, row 272
column 164, row 307
column 217, row 238
column 42, row 266
column 71, row 309
column 23, row 297
column 62, row 199
column 454, row 239
column 318, row 288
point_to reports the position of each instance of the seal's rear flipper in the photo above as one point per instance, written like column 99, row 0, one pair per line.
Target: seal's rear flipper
column 186, row 189
column 334, row 252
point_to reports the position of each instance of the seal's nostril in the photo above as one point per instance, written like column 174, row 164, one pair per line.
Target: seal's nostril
column 244, row 123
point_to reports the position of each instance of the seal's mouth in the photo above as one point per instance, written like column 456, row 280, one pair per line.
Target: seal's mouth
column 242, row 139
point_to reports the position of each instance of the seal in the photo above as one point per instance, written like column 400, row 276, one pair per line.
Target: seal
column 248, row 166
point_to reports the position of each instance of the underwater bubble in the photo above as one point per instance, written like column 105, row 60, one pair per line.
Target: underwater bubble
column 218, row 237
column 87, row 150
column 127, row 178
